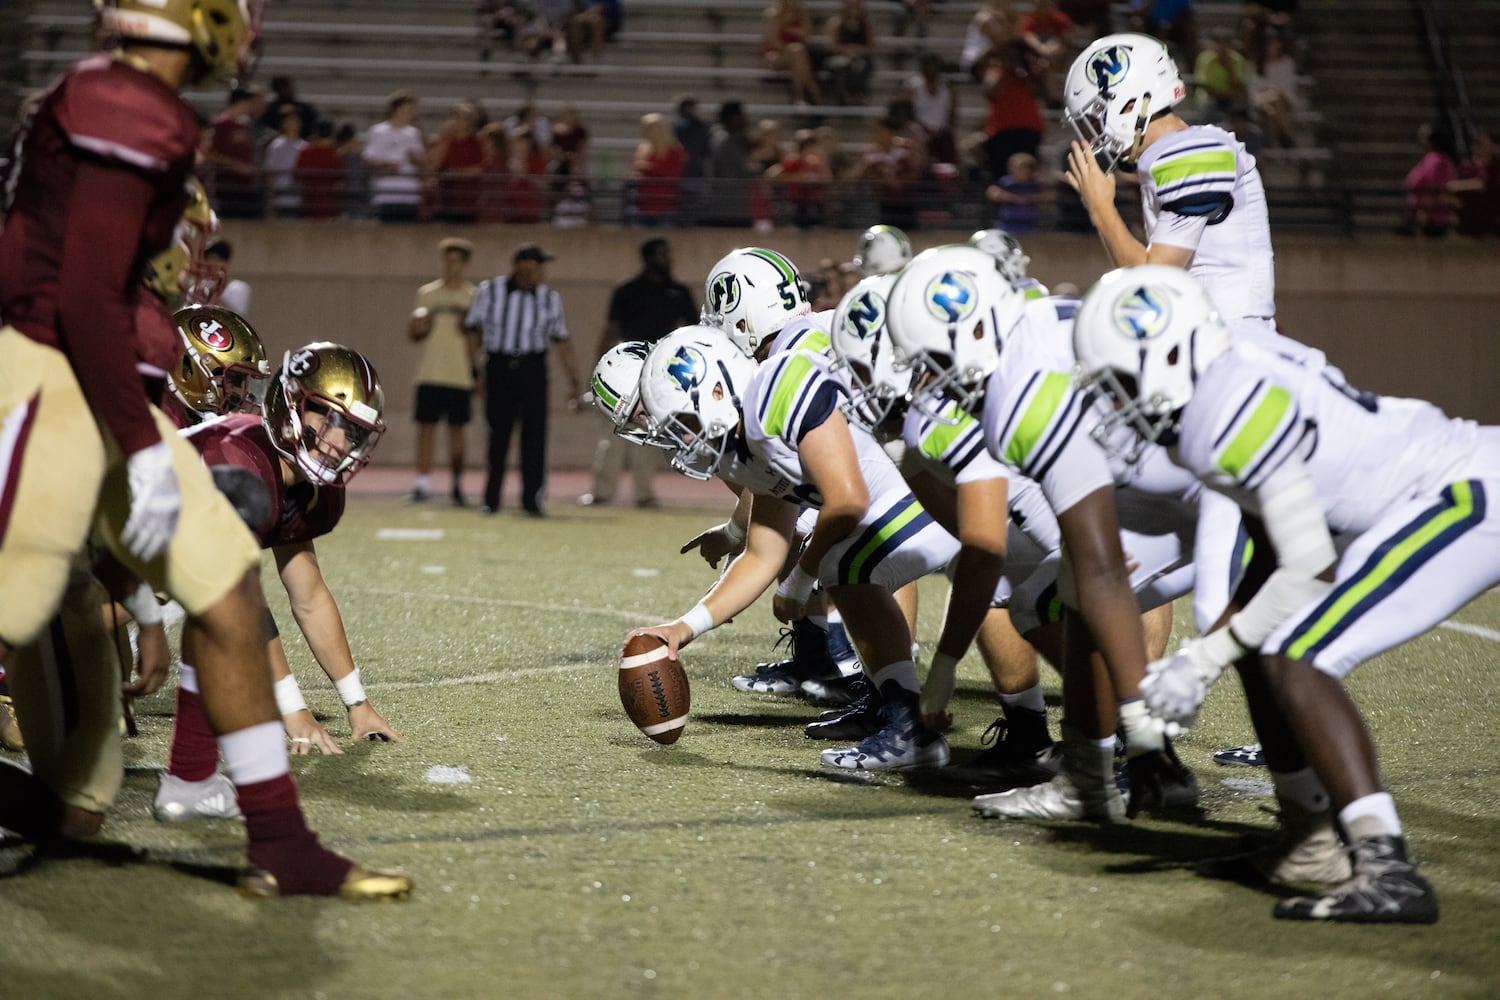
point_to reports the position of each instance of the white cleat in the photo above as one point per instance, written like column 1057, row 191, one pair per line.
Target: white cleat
column 212, row 798
column 1058, row 799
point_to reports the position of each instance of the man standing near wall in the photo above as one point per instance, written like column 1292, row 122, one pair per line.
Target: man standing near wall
column 647, row 308
column 518, row 318
column 450, row 359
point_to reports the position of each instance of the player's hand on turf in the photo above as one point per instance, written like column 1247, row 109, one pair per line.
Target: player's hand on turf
column 937, row 692
column 308, row 735
column 792, row 595
column 152, row 659
column 674, row 634
column 1173, row 689
column 367, row 724
column 155, row 501
column 1095, row 188
column 714, row 544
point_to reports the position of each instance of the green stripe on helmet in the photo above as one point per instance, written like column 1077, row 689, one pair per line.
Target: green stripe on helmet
column 777, row 261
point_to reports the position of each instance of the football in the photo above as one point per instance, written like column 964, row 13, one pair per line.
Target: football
column 653, row 689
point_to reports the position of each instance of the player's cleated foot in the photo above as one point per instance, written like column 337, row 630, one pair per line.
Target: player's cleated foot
column 836, row 692
column 809, row 660
column 1160, row 783
column 1249, row 755
column 1057, row 799
column 10, row 729
column 1386, row 889
column 864, row 718
column 903, row 744
column 1304, row 851
column 417, row 495
column 777, row 678
column 178, row 800
column 1019, row 754
column 360, row 884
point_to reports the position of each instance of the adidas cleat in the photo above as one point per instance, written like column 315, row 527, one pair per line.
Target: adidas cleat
column 212, row 798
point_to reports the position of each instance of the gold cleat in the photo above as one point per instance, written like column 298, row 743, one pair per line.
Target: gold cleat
column 10, row 729
column 359, row 885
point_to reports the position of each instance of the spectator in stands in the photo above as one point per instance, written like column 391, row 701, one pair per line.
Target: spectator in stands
column 234, row 294
column 1273, row 87
column 850, row 37
column 529, row 119
column 1091, row 18
column 494, row 180
column 889, row 166
column 1019, row 195
column 351, row 148
column 1477, row 187
column 915, row 15
column 992, row 26
column 499, row 20
column 1429, row 202
column 281, row 163
column 900, row 111
column 1014, row 123
column 320, row 174
column 526, row 182
column 284, row 93
column 1173, row 21
column 800, row 181
column 785, row 48
column 935, row 107
column 457, row 159
column 230, row 152
column 1221, row 78
column 1047, row 32
column 554, row 29
column 729, row 167
column 395, row 154
column 596, row 21
column 657, row 171
column 693, row 133
column 573, row 209
column 1277, row 13
column 570, row 140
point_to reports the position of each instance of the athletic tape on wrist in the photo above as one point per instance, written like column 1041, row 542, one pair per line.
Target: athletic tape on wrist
column 734, row 532
column 698, row 620
column 350, row 689
column 289, row 696
column 141, row 603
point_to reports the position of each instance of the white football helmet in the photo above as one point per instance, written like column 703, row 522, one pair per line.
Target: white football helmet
column 882, row 250
column 1143, row 335
column 750, row 294
column 879, row 380
column 949, row 314
column 691, row 386
column 616, row 390
column 1113, row 90
column 1006, row 250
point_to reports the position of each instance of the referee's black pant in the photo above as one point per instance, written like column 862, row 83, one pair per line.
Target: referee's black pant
column 515, row 388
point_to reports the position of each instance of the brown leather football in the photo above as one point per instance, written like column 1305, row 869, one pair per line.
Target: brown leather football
column 654, row 689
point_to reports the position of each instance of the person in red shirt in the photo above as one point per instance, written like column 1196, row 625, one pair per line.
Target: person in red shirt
column 230, row 152
column 659, row 161
column 802, row 178
column 457, row 157
column 1014, row 123
column 95, row 190
column 320, row 174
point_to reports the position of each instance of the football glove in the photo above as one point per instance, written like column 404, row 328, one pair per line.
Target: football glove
column 155, row 502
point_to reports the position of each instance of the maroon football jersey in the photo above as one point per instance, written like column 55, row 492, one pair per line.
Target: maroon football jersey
column 303, row 511
column 134, row 140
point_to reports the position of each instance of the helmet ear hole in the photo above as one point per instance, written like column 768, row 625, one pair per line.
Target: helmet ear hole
column 1174, row 355
column 978, row 332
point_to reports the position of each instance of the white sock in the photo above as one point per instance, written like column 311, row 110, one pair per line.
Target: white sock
column 423, row 482
column 834, row 616
column 903, row 673
column 1030, row 699
column 254, row 754
column 188, row 679
column 1303, row 788
column 1141, row 737
column 818, row 621
column 1371, row 815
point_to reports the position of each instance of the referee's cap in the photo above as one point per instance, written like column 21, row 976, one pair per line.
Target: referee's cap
column 532, row 251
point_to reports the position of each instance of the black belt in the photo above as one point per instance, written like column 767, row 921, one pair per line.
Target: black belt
column 516, row 360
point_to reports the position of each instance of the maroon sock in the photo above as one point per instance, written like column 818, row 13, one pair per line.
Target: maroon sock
column 195, row 750
column 281, row 843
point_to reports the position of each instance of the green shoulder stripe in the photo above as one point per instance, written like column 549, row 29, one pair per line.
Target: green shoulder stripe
column 1039, row 413
column 938, row 439
column 1256, row 431
column 785, row 392
column 1213, row 161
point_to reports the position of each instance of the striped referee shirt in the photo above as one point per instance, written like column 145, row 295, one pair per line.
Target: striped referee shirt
column 515, row 321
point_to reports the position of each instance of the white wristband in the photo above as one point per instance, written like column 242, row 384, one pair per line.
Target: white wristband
column 698, row 620
column 734, row 532
column 141, row 604
column 350, row 689
column 289, row 696
column 1215, row 651
column 798, row 585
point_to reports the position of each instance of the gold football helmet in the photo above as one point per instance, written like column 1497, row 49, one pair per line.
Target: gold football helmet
column 324, row 410
column 181, row 275
column 224, row 368
column 219, row 33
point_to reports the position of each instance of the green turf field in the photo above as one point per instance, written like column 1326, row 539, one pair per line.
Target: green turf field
column 578, row 859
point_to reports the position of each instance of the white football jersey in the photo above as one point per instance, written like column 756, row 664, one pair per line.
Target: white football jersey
column 1200, row 190
column 805, row 333
column 1258, row 418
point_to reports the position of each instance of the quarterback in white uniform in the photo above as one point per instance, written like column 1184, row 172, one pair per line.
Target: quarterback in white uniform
column 1388, row 496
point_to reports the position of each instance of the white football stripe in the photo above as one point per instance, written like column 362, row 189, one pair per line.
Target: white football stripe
column 641, row 659
column 1466, row 628
column 663, row 727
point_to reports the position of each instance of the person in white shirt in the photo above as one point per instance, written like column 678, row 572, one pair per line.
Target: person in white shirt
column 394, row 154
column 235, row 295
column 281, row 160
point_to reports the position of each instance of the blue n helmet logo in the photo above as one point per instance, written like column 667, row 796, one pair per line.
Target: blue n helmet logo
column 1107, row 67
column 1143, row 314
column 866, row 315
column 723, row 293
column 687, row 367
column 952, row 296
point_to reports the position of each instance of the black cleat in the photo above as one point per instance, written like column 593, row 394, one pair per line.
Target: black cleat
column 1386, row 889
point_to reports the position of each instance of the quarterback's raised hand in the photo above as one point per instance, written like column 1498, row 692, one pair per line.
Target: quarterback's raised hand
column 155, row 501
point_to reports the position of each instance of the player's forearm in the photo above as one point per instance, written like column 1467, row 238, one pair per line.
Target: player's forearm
column 1113, row 618
column 743, row 582
column 975, row 577
column 318, row 617
column 1122, row 246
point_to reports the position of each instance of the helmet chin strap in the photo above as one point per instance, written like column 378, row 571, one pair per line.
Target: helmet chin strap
column 1142, row 119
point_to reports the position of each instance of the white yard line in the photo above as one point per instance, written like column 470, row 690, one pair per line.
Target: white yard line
column 1467, row 629
column 489, row 676
column 634, row 617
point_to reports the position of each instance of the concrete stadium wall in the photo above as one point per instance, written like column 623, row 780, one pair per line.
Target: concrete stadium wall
column 1400, row 317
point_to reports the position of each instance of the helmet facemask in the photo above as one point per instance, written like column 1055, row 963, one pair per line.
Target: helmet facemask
column 1128, row 425
column 698, row 449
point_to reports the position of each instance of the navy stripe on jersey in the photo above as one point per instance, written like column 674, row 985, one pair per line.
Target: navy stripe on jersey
column 1235, row 420
column 1015, row 413
column 1065, row 426
column 1272, row 458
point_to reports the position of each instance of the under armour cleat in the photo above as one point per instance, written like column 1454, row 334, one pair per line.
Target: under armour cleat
column 1249, row 755
column 865, row 717
column 1304, row 851
column 809, row 660
column 1386, row 889
column 1019, row 754
column 902, row 744
column 361, row 884
column 212, row 798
